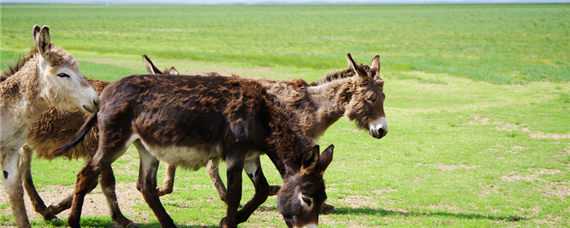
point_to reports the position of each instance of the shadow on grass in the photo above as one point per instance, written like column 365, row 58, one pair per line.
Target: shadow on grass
column 384, row 212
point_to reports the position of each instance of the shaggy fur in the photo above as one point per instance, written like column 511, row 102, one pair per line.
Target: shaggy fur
column 49, row 76
column 198, row 114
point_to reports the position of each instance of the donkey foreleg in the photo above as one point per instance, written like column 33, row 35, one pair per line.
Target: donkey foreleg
column 149, row 167
column 214, row 174
column 253, row 169
column 168, row 183
column 107, row 181
column 37, row 202
column 12, row 173
column 235, row 167
column 86, row 182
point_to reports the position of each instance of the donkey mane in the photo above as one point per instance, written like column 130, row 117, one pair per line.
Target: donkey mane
column 18, row 65
column 346, row 73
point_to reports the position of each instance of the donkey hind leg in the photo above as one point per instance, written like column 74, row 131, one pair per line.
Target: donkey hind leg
column 234, row 169
column 149, row 167
column 214, row 174
column 37, row 202
column 262, row 189
column 168, row 184
column 13, row 185
column 87, row 177
column 107, row 181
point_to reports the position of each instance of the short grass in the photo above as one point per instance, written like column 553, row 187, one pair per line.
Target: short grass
column 478, row 102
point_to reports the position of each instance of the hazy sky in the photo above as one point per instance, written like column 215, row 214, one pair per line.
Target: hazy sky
column 271, row 1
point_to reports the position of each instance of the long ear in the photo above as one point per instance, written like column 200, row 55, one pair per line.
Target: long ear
column 375, row 66
column 326, row 158
column 150, row 67
column 354, row 66
column 43, row 42
column 310, row 161
column 35, row 31
column 172, row 71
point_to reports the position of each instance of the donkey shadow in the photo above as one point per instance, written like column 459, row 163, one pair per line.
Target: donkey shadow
column 385, row 212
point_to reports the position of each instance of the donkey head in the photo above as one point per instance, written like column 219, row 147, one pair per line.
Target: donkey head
column 366, row 106
column 63, row 85
column 301, row 196
column 152, row 69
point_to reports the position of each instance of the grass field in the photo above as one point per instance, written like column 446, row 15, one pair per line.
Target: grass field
column 478, row 100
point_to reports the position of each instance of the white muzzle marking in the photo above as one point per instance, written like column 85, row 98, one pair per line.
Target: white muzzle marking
column 379, row 123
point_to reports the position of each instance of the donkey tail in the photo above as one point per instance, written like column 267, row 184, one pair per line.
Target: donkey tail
column 79, row 136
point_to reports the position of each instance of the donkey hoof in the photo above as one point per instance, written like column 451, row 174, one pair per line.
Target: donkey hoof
column 224, row 224
column 124, row 222
column 327, row 209
column 162, row 192
column 49, row 217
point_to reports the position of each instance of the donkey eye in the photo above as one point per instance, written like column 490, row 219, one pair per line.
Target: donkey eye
column 63, row 75
column 307, row 200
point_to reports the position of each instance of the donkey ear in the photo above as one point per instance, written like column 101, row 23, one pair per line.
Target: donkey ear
column 354, row 66
column 326, row 158
column 172, row 70
column 43, row 42
column 375, row 66
column 150, row 67
column 310, row 160
column 35, row 31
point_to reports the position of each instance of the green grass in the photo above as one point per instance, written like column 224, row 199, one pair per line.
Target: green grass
column 478, row 97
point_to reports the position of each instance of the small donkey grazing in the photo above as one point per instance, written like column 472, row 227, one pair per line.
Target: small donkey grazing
column 188, row 120
column 51, row 130
column 47, row 76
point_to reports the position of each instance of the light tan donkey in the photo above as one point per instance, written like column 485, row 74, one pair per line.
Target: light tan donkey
column 47, row 76
column 52, row 130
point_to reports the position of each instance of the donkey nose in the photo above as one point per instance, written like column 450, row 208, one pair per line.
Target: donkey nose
column 379, row 133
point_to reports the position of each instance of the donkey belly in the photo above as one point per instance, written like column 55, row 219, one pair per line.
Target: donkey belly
column 191, row 157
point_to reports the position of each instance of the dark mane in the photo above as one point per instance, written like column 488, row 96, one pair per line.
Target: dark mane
column 16, row 67
column 346, row 73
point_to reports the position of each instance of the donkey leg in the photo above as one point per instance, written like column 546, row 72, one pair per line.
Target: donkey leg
column 86, row 182
column 253, row 169
column 108, row 186
column 168, row 184
column 87, row 177
column 149, row 167
column 234, row 170
column 214, row 174
column 37, row 202
column 13, row 185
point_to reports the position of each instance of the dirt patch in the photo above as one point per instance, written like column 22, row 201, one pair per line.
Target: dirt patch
column 95, row 202
column 448, row 167
column 359, row 201
column 533, row 176
column 383, row 191
column 557, row 190
column 453, row 167
column 510, row 127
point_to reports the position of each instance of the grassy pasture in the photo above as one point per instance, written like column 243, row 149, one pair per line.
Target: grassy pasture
column 478, row 98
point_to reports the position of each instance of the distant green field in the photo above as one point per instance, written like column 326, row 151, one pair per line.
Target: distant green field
column 478, row 98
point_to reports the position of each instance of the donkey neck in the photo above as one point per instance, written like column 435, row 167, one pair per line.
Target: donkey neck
column 331, row 99
column 22, row 91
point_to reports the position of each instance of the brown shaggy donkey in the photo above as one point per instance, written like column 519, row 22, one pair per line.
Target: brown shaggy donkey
column 189, row 120
column 53, row 128
column 46, row 76
column 356, row 92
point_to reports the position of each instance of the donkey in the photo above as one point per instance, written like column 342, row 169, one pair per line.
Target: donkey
column 188, row 120
column 46, row 76
column 50, row 131
column 356, row 92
